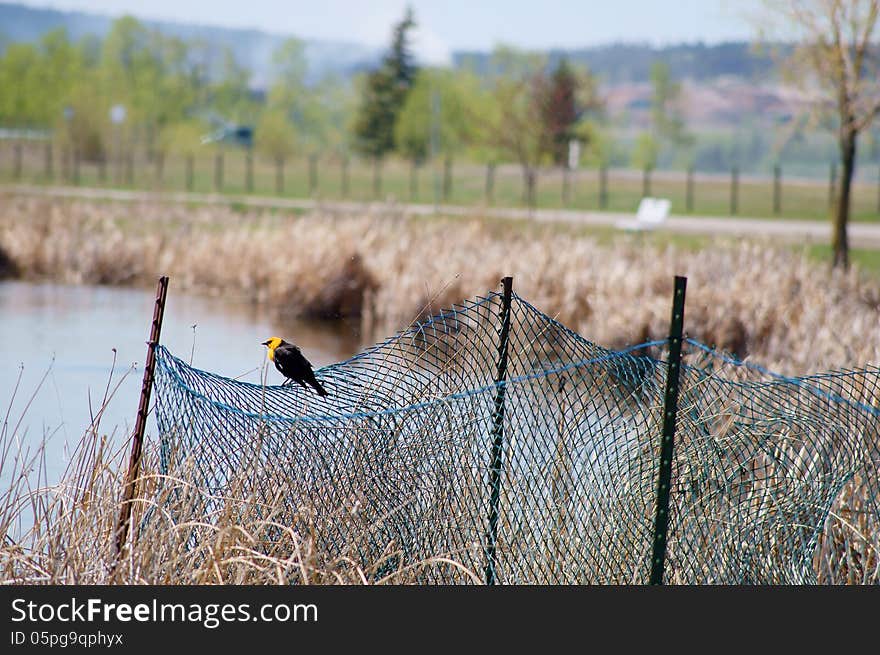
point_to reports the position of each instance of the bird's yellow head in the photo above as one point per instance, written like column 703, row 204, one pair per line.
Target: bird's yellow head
column 272, row 344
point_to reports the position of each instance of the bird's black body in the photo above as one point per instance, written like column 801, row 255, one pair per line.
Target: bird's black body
column 293, row 365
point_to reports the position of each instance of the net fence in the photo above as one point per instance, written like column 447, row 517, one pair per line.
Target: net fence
column 499, row 440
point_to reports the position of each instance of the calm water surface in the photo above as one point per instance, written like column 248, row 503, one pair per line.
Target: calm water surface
column 68, row 333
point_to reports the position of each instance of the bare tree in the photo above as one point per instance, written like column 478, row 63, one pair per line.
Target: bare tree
column 837, row 54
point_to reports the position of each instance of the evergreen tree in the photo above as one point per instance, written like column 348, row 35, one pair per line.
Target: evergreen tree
column 384, row 94
column 559, row 110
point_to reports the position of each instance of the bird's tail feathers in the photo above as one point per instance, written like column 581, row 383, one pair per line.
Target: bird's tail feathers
column 317, row 385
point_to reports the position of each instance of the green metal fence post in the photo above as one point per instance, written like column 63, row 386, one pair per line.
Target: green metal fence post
column 497, row 459
column 670, row 409
column 603, row 187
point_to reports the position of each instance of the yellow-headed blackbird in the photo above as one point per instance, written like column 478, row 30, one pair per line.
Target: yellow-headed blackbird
column 292, row 364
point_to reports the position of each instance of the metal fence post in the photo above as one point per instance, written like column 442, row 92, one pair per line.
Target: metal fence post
column 128, row 494
column 497, row 458
column 249, row 172
column 603, row 187
column 670, row 409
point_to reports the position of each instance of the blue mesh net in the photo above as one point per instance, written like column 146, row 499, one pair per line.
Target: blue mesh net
column 420, row 456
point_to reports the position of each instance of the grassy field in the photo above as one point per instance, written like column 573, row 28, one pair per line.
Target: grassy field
column 329, row 178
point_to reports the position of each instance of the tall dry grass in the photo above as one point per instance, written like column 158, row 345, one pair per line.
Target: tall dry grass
column 753, row 299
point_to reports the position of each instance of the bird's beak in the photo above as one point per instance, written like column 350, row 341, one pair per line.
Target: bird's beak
column 265, row 343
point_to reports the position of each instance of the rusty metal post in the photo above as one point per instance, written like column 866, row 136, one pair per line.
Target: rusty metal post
column 497, row 457
column 128, row 493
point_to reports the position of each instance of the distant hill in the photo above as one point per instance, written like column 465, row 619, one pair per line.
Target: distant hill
column 252, row 48
column 625, row 63
column 615, row 64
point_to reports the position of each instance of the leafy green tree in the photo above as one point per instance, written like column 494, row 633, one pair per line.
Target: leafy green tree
column 231, row 96
column 457, row 96
column 836, row 58
column 666, row 116
column 276, row 137
column 515, row 118
column 384, row 94
column 646, row 151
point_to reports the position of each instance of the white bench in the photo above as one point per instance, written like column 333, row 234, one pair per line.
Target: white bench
column 650, row 214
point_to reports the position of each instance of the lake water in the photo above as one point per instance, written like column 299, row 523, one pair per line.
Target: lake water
column 68, row 333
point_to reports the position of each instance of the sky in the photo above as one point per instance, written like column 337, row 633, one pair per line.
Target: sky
column 445, row 26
